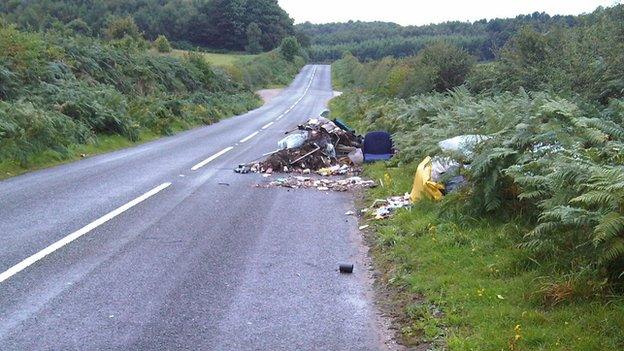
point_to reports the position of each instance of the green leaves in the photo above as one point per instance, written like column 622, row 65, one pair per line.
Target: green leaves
column 61, row 91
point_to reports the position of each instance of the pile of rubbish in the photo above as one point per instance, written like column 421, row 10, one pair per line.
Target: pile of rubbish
column 318, row 145
column 321, row 184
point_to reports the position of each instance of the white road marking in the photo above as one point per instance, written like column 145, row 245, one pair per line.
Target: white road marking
column 211, row 158
column 267, row 125
column 80, row 232
column 246, row 139
column 300, row 98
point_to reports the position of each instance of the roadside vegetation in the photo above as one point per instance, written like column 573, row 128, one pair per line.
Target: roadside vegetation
column 65, row 95
column 530, row 255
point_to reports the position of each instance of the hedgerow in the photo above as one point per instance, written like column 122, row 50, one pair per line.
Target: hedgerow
column 59, row 90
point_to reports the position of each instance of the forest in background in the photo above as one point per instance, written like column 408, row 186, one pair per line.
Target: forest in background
column 213, row 24
column 376, row 40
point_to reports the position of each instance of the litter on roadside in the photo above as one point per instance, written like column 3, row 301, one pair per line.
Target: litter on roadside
column 423, row 184
column 384, row 208
column 321, row 184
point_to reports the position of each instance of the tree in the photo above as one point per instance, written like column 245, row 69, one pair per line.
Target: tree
column 290, row 48
column 162, row 44
column 122, row 27
column 254, row 36
column 303, row 39
column 449, row 64
column 225, row 24
column 272, row 19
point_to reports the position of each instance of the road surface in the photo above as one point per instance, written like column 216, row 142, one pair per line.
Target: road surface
column 163, row 247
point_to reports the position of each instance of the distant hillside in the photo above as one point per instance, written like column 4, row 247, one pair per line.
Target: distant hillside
column 375, row 40
column 216, row 24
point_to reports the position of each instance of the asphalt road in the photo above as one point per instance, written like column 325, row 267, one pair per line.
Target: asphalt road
column 163, row 247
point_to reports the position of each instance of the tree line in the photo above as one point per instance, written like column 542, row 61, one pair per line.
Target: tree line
column 375, row 40
column 254, row 25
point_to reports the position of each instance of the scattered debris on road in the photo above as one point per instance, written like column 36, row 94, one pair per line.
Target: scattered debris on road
column 321, row 184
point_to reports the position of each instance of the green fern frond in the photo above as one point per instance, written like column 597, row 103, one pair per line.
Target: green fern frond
column 613, row 252
column 596, row 198
column 611, row 225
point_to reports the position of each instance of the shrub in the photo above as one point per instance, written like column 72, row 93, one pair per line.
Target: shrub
column 120, row 28
column 162, row 44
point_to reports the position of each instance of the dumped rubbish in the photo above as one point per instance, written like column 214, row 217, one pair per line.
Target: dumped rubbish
column 317, row 144
column 362, row 227
column 356, row 157
column 463, row 144
column 442, row 167
column 292, row 141
column 343, row 126
column 377, row 147
column 384, row 208
column 455, row 183
column 242, row 169
column 423, row 185
column 335, row 170
column 321, row 184
column 346, row 268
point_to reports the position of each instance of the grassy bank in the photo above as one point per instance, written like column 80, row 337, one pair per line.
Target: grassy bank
column 65, row 96
column 217, row 59
column 461, row 283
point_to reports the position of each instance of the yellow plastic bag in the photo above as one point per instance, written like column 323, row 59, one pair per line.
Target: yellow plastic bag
column 423, row 185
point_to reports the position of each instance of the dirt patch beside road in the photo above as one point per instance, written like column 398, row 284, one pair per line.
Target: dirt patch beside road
column 268, row 94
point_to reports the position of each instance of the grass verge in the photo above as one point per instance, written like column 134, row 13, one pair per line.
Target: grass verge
column 460, row 283
column 98, row 145
column 221, row 60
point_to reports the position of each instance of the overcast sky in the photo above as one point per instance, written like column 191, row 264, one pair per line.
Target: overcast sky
column 419, row 12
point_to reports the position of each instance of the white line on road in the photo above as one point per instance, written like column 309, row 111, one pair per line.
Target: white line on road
column 246, row 139
column 267, row 125
column 300, row 98
column 211, row 158
column 80, row 232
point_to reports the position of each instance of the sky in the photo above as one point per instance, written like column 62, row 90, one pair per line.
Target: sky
column 418, row 12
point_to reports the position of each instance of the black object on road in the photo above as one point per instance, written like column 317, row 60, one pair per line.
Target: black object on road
column 346, row 268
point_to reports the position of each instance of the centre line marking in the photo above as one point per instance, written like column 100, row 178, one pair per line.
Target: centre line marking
column 267, row 125
column 211, row 158
column 80, row 232
column 299, row 100
column 246, row 139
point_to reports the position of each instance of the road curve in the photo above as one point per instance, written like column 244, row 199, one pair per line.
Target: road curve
column 162, row 247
